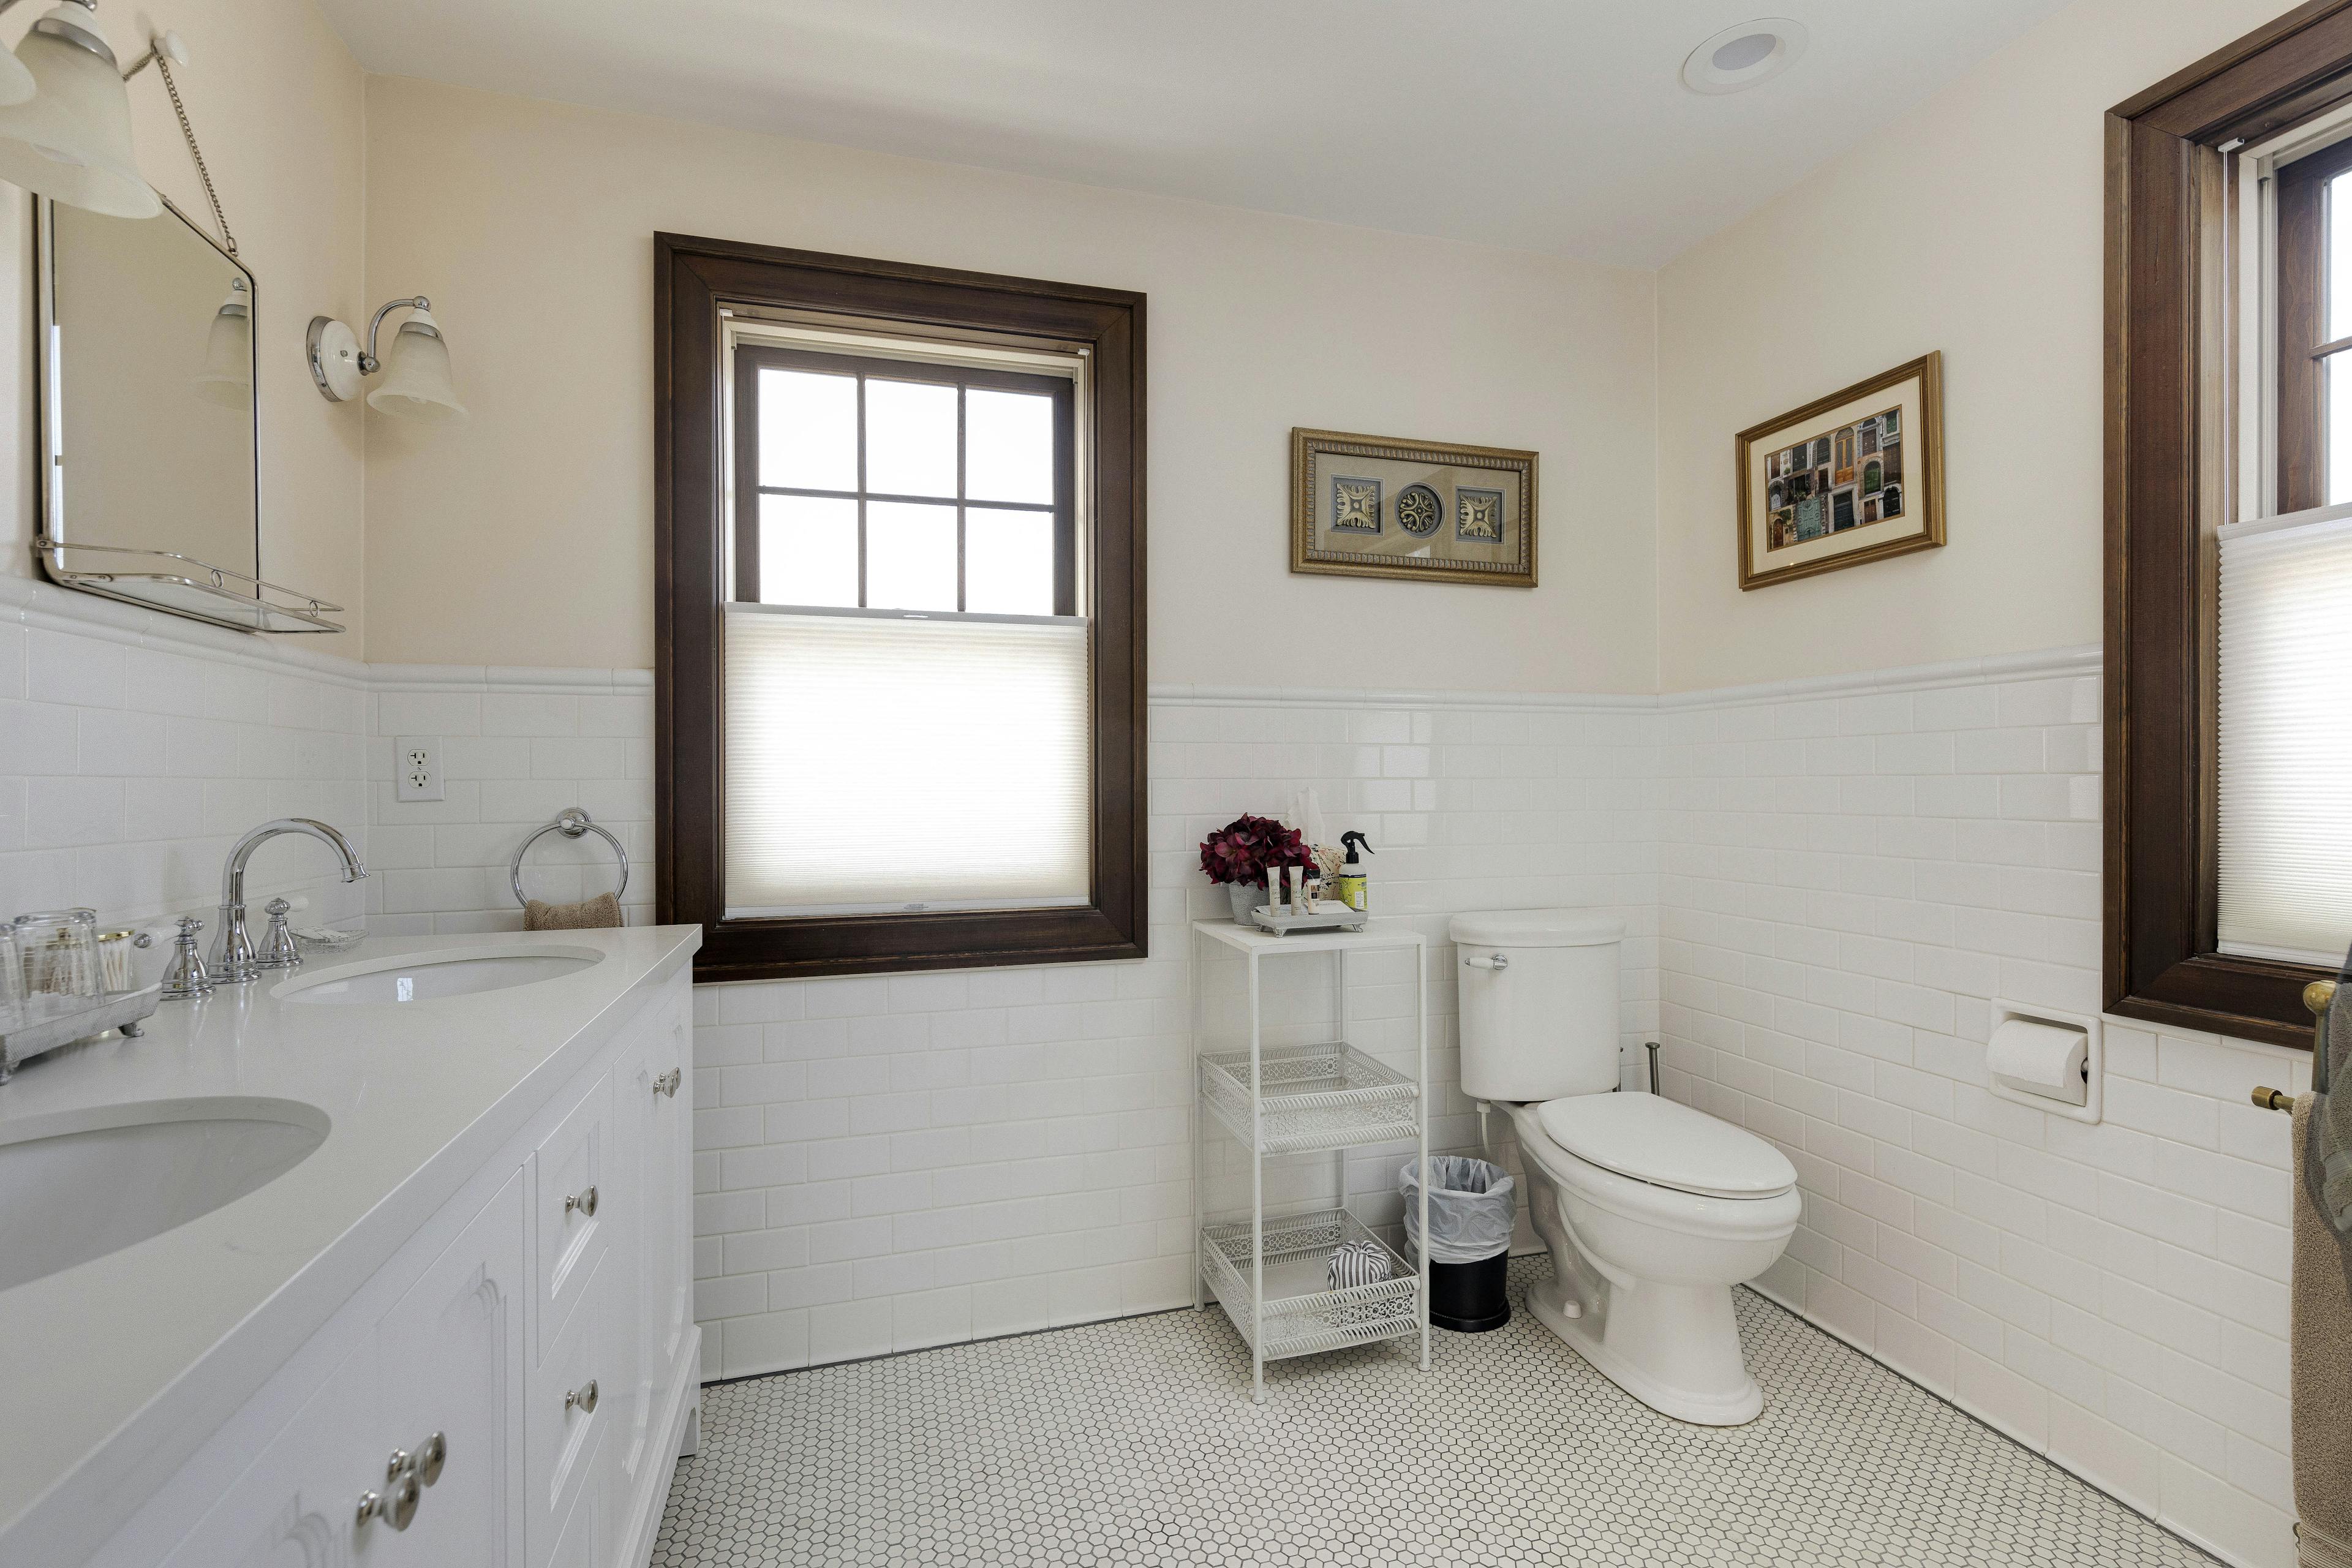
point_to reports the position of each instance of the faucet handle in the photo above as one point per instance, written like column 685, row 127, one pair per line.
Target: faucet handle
column 277, row 950
column 186, row 977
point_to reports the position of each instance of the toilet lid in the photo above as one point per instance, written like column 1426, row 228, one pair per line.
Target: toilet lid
column 1652, row 1139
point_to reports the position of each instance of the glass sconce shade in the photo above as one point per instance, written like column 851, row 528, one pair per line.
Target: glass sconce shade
column 228, row 377
column 71, row 141
column 417, row 374
column 16, row 86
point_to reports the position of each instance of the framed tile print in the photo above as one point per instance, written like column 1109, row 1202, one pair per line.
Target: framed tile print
column 1370, row 506
column 1853, row 477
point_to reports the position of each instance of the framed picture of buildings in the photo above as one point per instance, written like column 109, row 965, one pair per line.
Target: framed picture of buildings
column 1370, row 506
column 1853, row 477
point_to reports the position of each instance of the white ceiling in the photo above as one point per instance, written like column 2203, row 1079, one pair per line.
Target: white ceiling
column 1553, row 125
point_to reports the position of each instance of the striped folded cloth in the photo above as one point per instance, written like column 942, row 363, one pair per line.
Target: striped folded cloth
column 1358, row 1262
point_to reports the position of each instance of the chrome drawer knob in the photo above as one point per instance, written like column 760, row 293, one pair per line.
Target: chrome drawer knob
column 397, row 1504
column 668, row 1083
column 431, row 1455
column 583, row 1201
column 583, row 1399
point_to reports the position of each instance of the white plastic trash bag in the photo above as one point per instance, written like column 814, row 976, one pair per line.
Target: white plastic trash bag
column 1472, row 1207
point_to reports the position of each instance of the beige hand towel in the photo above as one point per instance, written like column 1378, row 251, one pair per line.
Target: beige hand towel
column 603, row 910
column 2321, row 1364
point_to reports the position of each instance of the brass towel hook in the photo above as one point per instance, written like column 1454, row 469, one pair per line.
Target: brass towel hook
column 2318, row 996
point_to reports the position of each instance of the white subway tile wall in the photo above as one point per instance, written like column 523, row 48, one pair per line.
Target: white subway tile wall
column 518, row 747
column 1847, row 885
column 133, row 754
column 886, row 1163
column 1825, row 892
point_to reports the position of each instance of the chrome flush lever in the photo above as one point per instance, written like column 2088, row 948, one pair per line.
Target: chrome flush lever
column 1498, row 964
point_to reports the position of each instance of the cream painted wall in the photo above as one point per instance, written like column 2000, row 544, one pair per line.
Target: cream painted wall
column 1971, row 224
column 277, row 103
column 525, row 535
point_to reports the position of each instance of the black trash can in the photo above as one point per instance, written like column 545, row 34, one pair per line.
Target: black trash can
column 1468, row 1297
column 1472, row 1207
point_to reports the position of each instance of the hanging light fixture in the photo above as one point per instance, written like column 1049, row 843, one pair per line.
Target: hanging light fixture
column 416, row 383
column 227, row 378
column 69, row 137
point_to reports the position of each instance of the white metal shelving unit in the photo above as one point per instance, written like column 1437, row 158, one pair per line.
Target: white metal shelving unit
column 1270, row 1273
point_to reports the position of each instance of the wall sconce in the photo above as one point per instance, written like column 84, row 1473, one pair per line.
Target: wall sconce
column 64, row 131
column 416, row 383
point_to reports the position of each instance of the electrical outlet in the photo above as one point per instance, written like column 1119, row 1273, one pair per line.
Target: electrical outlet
column 416, row 768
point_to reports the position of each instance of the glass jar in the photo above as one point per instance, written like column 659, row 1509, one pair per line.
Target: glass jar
column 11, row 980
column 58, row 950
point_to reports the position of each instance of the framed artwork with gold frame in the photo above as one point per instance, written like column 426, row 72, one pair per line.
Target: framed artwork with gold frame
column 1853, row 477
column 1372, row 506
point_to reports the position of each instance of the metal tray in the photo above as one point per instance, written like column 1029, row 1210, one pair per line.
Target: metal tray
column 39, row 1030
column 1329, row 915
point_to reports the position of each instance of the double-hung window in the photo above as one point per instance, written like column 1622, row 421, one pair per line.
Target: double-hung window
column 2228, row 434
column 902, row 691
column 904, row 587
column 2284, row 664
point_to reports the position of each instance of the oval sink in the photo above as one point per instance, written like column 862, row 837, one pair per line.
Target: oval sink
column 432, row 976
column 83, row 1183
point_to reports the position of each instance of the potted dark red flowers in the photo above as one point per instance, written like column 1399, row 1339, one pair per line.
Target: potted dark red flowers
column 1239, row 855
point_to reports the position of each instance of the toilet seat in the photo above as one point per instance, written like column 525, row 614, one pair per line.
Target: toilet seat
column 1652, row 1139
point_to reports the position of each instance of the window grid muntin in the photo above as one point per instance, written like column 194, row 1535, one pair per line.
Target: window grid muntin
column 1060, row 592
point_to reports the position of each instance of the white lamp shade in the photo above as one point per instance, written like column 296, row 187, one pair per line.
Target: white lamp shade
column 417, row 374
column 16, row 84
column 228, row 377
column 71, row 142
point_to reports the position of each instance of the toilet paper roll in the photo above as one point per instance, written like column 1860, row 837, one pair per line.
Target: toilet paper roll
column 2046, row 1060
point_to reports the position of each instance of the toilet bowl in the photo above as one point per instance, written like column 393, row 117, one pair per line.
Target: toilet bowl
column 1642, row 1270
column 1653, row 1210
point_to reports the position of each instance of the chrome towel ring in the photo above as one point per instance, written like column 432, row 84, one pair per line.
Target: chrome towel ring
column 572, row 822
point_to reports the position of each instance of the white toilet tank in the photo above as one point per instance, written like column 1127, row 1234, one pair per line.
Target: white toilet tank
column 1538, row 1003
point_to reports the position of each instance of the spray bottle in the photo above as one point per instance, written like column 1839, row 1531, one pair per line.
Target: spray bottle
column 1355, row 882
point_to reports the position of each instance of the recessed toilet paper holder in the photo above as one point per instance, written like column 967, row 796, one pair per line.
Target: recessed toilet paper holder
column 2048, row 1058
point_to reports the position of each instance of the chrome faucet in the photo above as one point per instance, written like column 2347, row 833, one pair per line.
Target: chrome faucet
column 233, row 958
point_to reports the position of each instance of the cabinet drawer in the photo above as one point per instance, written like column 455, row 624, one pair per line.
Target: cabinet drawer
column 562, row 1430
column 572, row 1209
column 581, row 1542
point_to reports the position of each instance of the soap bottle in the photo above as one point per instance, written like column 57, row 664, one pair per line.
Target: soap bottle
column 1355, row 882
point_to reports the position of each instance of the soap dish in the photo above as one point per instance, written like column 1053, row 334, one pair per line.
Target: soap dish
column 328, row 939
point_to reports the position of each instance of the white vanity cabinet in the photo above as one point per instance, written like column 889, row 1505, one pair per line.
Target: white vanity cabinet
column 536, row 1341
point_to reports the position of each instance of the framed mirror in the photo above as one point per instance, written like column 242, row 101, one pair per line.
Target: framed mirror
column 149, row 440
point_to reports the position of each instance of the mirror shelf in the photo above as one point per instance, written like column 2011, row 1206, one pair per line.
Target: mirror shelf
column 182, row 585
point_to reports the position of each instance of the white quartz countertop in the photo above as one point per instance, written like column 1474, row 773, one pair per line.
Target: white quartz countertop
column 112, row 1372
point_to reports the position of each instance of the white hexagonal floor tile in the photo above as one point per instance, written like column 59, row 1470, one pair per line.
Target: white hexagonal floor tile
column 1135, row 1442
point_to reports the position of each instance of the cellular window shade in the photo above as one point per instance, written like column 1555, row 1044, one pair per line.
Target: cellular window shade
column 2284, row 853
column 878, row 763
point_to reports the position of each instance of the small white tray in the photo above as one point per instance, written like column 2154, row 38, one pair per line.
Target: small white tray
column 1328, row 914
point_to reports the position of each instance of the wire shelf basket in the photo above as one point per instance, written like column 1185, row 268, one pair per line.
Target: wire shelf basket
column 1328, row 1096
column 1303, row 1316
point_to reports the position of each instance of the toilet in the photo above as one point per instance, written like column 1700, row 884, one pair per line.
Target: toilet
column 1653, row 1210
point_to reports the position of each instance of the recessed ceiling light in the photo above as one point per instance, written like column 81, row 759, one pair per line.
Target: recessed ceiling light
column 1739, row 58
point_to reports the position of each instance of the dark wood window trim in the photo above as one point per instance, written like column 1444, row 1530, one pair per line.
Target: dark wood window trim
column 2169, row 442
column 695, row 280
column 2304, row 350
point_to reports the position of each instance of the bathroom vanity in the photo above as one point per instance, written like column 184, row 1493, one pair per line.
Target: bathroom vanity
column 386, row 1260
